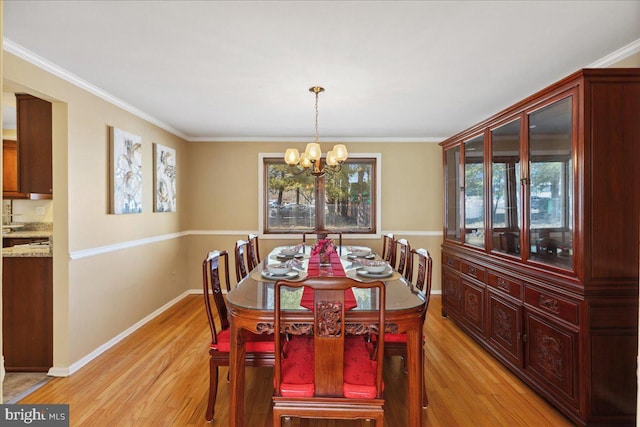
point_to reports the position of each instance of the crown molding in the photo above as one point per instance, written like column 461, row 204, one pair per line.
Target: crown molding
column 620, row 54
column 60, row 72
column 332, row 139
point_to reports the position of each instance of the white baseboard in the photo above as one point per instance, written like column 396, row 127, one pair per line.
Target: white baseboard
column 66, row 371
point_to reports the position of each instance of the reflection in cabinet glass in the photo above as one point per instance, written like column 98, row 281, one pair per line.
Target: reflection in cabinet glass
column 452, row 194
column 505, row 188
column 474, row 191
column 551, row 184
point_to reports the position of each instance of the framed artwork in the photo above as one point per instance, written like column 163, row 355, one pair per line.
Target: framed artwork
column 125, row 152
column 164, row 178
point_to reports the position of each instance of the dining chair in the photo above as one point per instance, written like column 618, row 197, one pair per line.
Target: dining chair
column 259, row 348
column 389, row 249
column 242, row 261
column 253, row 251
column 327, row 233
column 403, row 253
column 396, row 344
column 328, row 369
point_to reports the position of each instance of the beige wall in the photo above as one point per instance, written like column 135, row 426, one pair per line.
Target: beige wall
column 100, row 294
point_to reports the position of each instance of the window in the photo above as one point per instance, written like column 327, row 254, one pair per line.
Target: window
column 348, row 196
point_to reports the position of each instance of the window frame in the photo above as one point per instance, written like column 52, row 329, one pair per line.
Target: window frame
column 376, row 199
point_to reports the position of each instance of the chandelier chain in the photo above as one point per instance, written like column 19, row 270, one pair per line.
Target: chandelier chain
column 317, row 90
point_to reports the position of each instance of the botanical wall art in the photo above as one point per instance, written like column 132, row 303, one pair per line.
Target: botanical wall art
column 126, row 172
column 164, row 178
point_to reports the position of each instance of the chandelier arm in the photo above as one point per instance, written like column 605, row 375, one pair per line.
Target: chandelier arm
column 292, row 170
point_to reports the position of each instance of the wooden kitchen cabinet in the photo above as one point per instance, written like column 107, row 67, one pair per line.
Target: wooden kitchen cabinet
column 27, row 313
column 35, row 146
column 541, row 248
column 10, row 184
column 9, row 166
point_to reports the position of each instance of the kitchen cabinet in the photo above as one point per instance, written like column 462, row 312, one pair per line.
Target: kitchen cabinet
column 10, row 187
column 9, row 166
column 34, row 122
column 27, row 313
column 541, row 247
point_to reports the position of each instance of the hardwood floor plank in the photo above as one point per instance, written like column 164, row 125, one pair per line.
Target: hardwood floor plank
column 159, row 377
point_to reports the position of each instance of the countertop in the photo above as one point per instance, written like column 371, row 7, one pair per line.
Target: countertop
column 29, row 250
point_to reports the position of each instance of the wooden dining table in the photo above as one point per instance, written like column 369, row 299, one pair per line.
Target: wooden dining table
column 251, row 308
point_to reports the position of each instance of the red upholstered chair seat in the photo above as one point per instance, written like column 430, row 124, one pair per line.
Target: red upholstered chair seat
column 359, row 369
column 256, row 343
column 298, row 368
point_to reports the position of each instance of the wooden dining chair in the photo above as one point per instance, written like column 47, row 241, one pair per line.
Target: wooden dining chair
column 331, row 234
column 328, row 369
column 396, row 344
column 253, row 251
column 389, row 249
column 242, row 261
column 403, row 252
column 259, row 348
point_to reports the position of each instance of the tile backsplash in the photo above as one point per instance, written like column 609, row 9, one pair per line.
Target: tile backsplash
column 27, row 211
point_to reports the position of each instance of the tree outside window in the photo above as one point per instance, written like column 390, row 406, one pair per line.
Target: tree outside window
column 348, row 195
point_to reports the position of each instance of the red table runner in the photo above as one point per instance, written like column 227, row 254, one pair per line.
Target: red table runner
column 334, row 269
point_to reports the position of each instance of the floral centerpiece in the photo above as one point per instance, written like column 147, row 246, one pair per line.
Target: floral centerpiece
column 324, row 248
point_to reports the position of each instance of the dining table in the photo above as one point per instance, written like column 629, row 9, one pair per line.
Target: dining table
column 251, row 308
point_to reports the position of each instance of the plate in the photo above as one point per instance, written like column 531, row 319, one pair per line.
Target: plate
column 387, row 273
column 285, row 256
column 352, row 256
column 290, row 275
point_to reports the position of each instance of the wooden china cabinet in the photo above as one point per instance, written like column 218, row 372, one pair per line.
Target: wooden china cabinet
column 540, row 258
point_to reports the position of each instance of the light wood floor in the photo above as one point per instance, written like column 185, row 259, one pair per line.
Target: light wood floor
column 159, row 376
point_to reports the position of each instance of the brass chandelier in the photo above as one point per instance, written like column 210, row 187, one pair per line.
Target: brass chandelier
column 310, row 160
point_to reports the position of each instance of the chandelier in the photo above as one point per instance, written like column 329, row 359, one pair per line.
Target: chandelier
column 310, row 159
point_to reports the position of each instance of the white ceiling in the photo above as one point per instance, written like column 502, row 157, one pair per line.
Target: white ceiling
column 392, row 70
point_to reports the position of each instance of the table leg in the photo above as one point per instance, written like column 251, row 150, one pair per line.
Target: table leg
column 415, row 376
column 236, row 375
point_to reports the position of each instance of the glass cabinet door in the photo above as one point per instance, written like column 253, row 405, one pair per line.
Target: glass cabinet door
column 452, row 193
column 505, row 188
column 550, row 207
column 474, row 191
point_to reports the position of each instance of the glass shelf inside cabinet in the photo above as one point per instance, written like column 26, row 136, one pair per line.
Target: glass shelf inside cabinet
column 551, row 195
column 474, row 191
column 505, row 188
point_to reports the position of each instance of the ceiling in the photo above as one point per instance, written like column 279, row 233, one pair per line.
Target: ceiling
column 392, row 70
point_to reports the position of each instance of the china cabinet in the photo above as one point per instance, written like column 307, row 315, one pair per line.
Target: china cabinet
column 541, row 241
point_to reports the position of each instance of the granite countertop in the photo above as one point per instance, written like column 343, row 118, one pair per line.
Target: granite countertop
column 29, row 231
column 27, row 251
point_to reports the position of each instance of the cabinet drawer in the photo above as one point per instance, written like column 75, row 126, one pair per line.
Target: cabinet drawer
column 451, row 261
column 473, row 270
column 561, row 308
column 505, row 284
